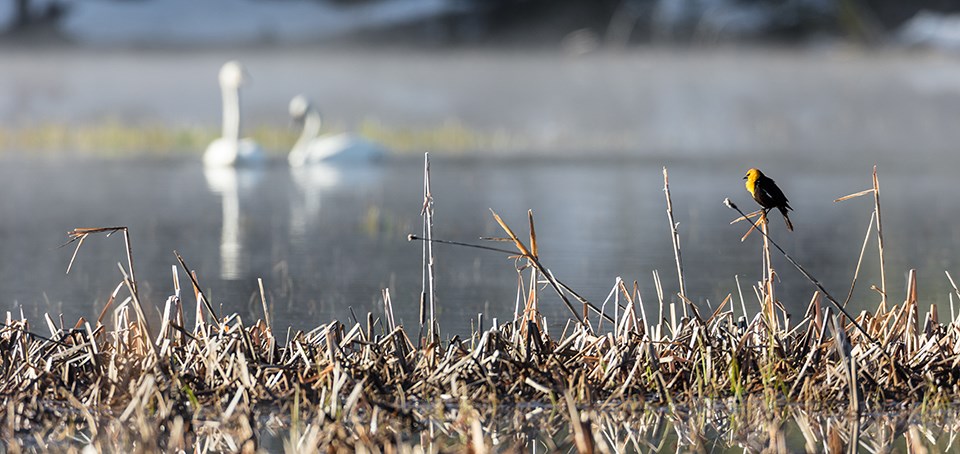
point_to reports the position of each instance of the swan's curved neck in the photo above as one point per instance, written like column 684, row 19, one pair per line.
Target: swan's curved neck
column 231, row 112
column 311, row 128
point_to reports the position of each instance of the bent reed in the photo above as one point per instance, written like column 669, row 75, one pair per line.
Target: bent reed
column 615, row 379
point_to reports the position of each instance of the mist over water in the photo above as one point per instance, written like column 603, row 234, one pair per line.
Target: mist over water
column 838, row 104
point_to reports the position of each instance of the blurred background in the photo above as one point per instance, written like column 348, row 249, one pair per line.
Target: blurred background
column 569, row 108
column 569, row 24
column 610, row 76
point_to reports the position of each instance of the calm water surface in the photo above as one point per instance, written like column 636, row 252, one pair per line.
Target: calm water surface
column 325, row 240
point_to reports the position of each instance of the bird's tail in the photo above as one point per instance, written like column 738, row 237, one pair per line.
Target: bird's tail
column 786, row 219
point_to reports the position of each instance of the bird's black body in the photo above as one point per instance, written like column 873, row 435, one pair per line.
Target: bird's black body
column 766, row 193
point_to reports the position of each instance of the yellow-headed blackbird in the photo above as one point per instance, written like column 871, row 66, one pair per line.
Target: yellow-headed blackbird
column 767, row 194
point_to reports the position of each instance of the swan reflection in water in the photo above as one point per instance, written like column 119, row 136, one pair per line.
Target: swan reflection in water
column 234, row 186
column 238, row 186
column 315, row 182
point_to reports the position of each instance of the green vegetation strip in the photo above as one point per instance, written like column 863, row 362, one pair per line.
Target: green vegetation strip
column 118, row 139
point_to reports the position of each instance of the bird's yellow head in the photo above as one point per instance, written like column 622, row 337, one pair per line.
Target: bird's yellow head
column 751, row 177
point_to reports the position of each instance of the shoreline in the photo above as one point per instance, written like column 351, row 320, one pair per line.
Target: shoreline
column 640, row 101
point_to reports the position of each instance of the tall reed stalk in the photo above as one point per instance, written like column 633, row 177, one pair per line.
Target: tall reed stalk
column 674, row 237
column 428, row 293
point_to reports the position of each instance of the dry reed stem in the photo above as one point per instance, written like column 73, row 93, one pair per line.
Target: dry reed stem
column 863, row 250
column 428, row 291
column 876, row 201
column 875, row 190
column 674, row 236
column 769, row 289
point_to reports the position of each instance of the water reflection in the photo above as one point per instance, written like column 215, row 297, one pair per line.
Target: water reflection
column 713, row 427
column 779, row 429
column 632, row 426
column 329, row 239
column 234, row 186
column 313, row 182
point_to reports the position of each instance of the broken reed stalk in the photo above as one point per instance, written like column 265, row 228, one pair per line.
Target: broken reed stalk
column 80, row 234
column 875, row 190
column 674, row 237
column 769, row 295
column 532, row 308
column 535, row 261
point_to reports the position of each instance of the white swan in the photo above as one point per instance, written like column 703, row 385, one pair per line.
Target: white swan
column 231, row 150
column 311, row 148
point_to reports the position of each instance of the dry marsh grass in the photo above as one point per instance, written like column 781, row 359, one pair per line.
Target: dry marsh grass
column 618, row 378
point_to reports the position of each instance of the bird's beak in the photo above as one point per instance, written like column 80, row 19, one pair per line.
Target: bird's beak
column 744, row 177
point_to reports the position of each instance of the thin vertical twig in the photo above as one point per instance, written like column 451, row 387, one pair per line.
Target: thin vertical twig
column 428, row 291
column 177, row 298
column 849, row 364
column 674, row 236
column 863, row 249
column 876, row 201
column 952, row 283
column 388, row 310
column 263, row 301
column 133, row 275
column 202, row 297
column 743, row 304
column 144, row 325
column 533, row 309
column 768, row 273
